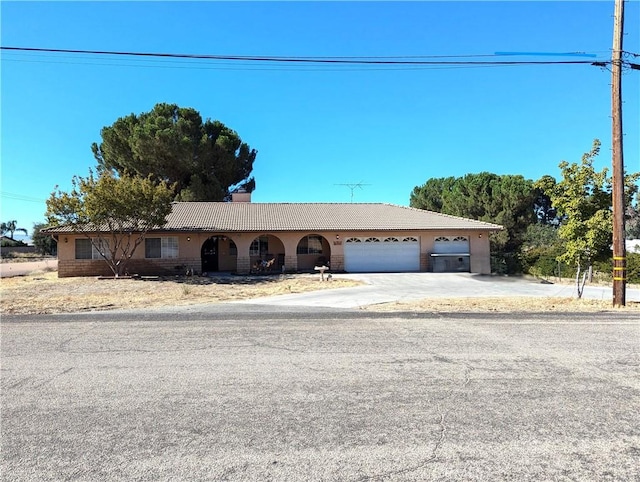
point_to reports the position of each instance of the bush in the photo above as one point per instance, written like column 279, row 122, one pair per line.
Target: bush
column 11, row 243
column 542, row 262
column 605, row 268
column 505, row 263
column 633, row 267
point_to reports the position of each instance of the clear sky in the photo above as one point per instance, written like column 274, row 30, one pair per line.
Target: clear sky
column 316, row 128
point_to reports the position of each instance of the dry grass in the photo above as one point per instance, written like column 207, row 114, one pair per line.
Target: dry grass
column 42, row 293
column 46, row 293
column 24, row 257
column 504, row 305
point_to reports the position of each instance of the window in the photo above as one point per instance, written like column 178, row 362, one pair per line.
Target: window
column 460, row 238
column 259, row 246
column 310, row 245
column 161, row 247
column 372, row 240
column 410, row 239
column 354, row 240
column 233, row 249
column 391, row 240
column 152, row 248
column 170, row 247
column 86, row 250
column 83, row 249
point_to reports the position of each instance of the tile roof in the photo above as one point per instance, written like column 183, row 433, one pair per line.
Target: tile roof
column 263, row 217
column 230, row 217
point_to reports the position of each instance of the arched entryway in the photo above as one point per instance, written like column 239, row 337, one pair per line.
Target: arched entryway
column 313, row 250
column 219, row 253
column 266, row 254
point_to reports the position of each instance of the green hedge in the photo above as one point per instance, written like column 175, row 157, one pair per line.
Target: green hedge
column 542, row 262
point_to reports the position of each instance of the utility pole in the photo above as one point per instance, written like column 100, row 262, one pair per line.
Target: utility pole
column 619, row 250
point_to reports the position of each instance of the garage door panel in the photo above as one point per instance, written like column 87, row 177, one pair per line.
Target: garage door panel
column 450, row 254
column 382, row 256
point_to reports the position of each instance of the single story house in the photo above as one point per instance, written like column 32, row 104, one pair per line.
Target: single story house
column 241, row 236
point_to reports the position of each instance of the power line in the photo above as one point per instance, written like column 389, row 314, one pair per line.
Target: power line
column 304, row 60
column 20, row 197
column 247, row 67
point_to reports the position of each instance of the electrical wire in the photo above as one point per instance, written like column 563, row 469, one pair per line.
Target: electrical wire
column 20, row 197
column 393, row 61
column 249, row 67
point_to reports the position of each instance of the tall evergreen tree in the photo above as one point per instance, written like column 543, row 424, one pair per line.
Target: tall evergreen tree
column 205, row 160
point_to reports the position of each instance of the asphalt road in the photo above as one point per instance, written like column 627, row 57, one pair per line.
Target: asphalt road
column 266, row 393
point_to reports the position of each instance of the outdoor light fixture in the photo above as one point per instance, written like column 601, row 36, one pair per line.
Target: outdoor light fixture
column 338, row 237
column 66, row 240
column 188, row 238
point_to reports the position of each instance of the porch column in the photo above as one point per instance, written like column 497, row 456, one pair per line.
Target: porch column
column 290, row 253
column 243, row 260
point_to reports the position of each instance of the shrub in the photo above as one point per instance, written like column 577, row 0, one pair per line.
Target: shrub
column 542, row 262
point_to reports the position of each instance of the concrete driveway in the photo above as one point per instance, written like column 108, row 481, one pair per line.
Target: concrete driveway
column 390, row 287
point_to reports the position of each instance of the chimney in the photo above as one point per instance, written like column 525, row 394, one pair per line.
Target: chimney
column 241, row 196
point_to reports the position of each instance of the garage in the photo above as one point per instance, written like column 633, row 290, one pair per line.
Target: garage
column 451, row 254
column 381, row 254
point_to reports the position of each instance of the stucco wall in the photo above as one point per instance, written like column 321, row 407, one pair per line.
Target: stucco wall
column 281, row 245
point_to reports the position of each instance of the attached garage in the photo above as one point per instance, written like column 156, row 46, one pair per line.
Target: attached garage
column 382, row 254
column 351, row 237
column 451, row 254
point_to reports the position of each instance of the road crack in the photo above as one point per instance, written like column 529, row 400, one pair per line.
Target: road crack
column 442, row 432
column 50, row 379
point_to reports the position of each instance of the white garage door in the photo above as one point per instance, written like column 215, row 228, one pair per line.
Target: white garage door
column 451, row 245
column 450, row 254
column 381, row 254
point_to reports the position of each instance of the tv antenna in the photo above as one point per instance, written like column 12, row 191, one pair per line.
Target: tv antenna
column 352, row 186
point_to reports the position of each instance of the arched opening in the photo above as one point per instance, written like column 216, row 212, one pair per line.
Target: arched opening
column 313, row 250
column 218, row 253
column 266, row 254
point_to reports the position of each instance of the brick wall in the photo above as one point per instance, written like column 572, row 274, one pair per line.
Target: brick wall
column 143, row 267
column 337, row 262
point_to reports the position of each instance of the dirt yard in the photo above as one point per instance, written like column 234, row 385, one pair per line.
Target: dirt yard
column 504, row 305
column 44, row 292
column 41, row 293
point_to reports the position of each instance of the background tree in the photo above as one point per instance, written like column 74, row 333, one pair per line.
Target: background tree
column 507, row 200
column 44, row 243
column 205, row 160
column 430, row 196
column 632, row 225
column 113, row 212
column 11, row 227
column 540, row 249
column 583, row 200
column 545, row 210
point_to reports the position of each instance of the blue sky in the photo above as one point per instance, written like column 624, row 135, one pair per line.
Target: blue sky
column 316, row 128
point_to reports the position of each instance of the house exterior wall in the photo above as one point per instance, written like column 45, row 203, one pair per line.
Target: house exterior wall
column 281, row 244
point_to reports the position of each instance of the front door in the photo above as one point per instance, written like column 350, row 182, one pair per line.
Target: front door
column 209, row 255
